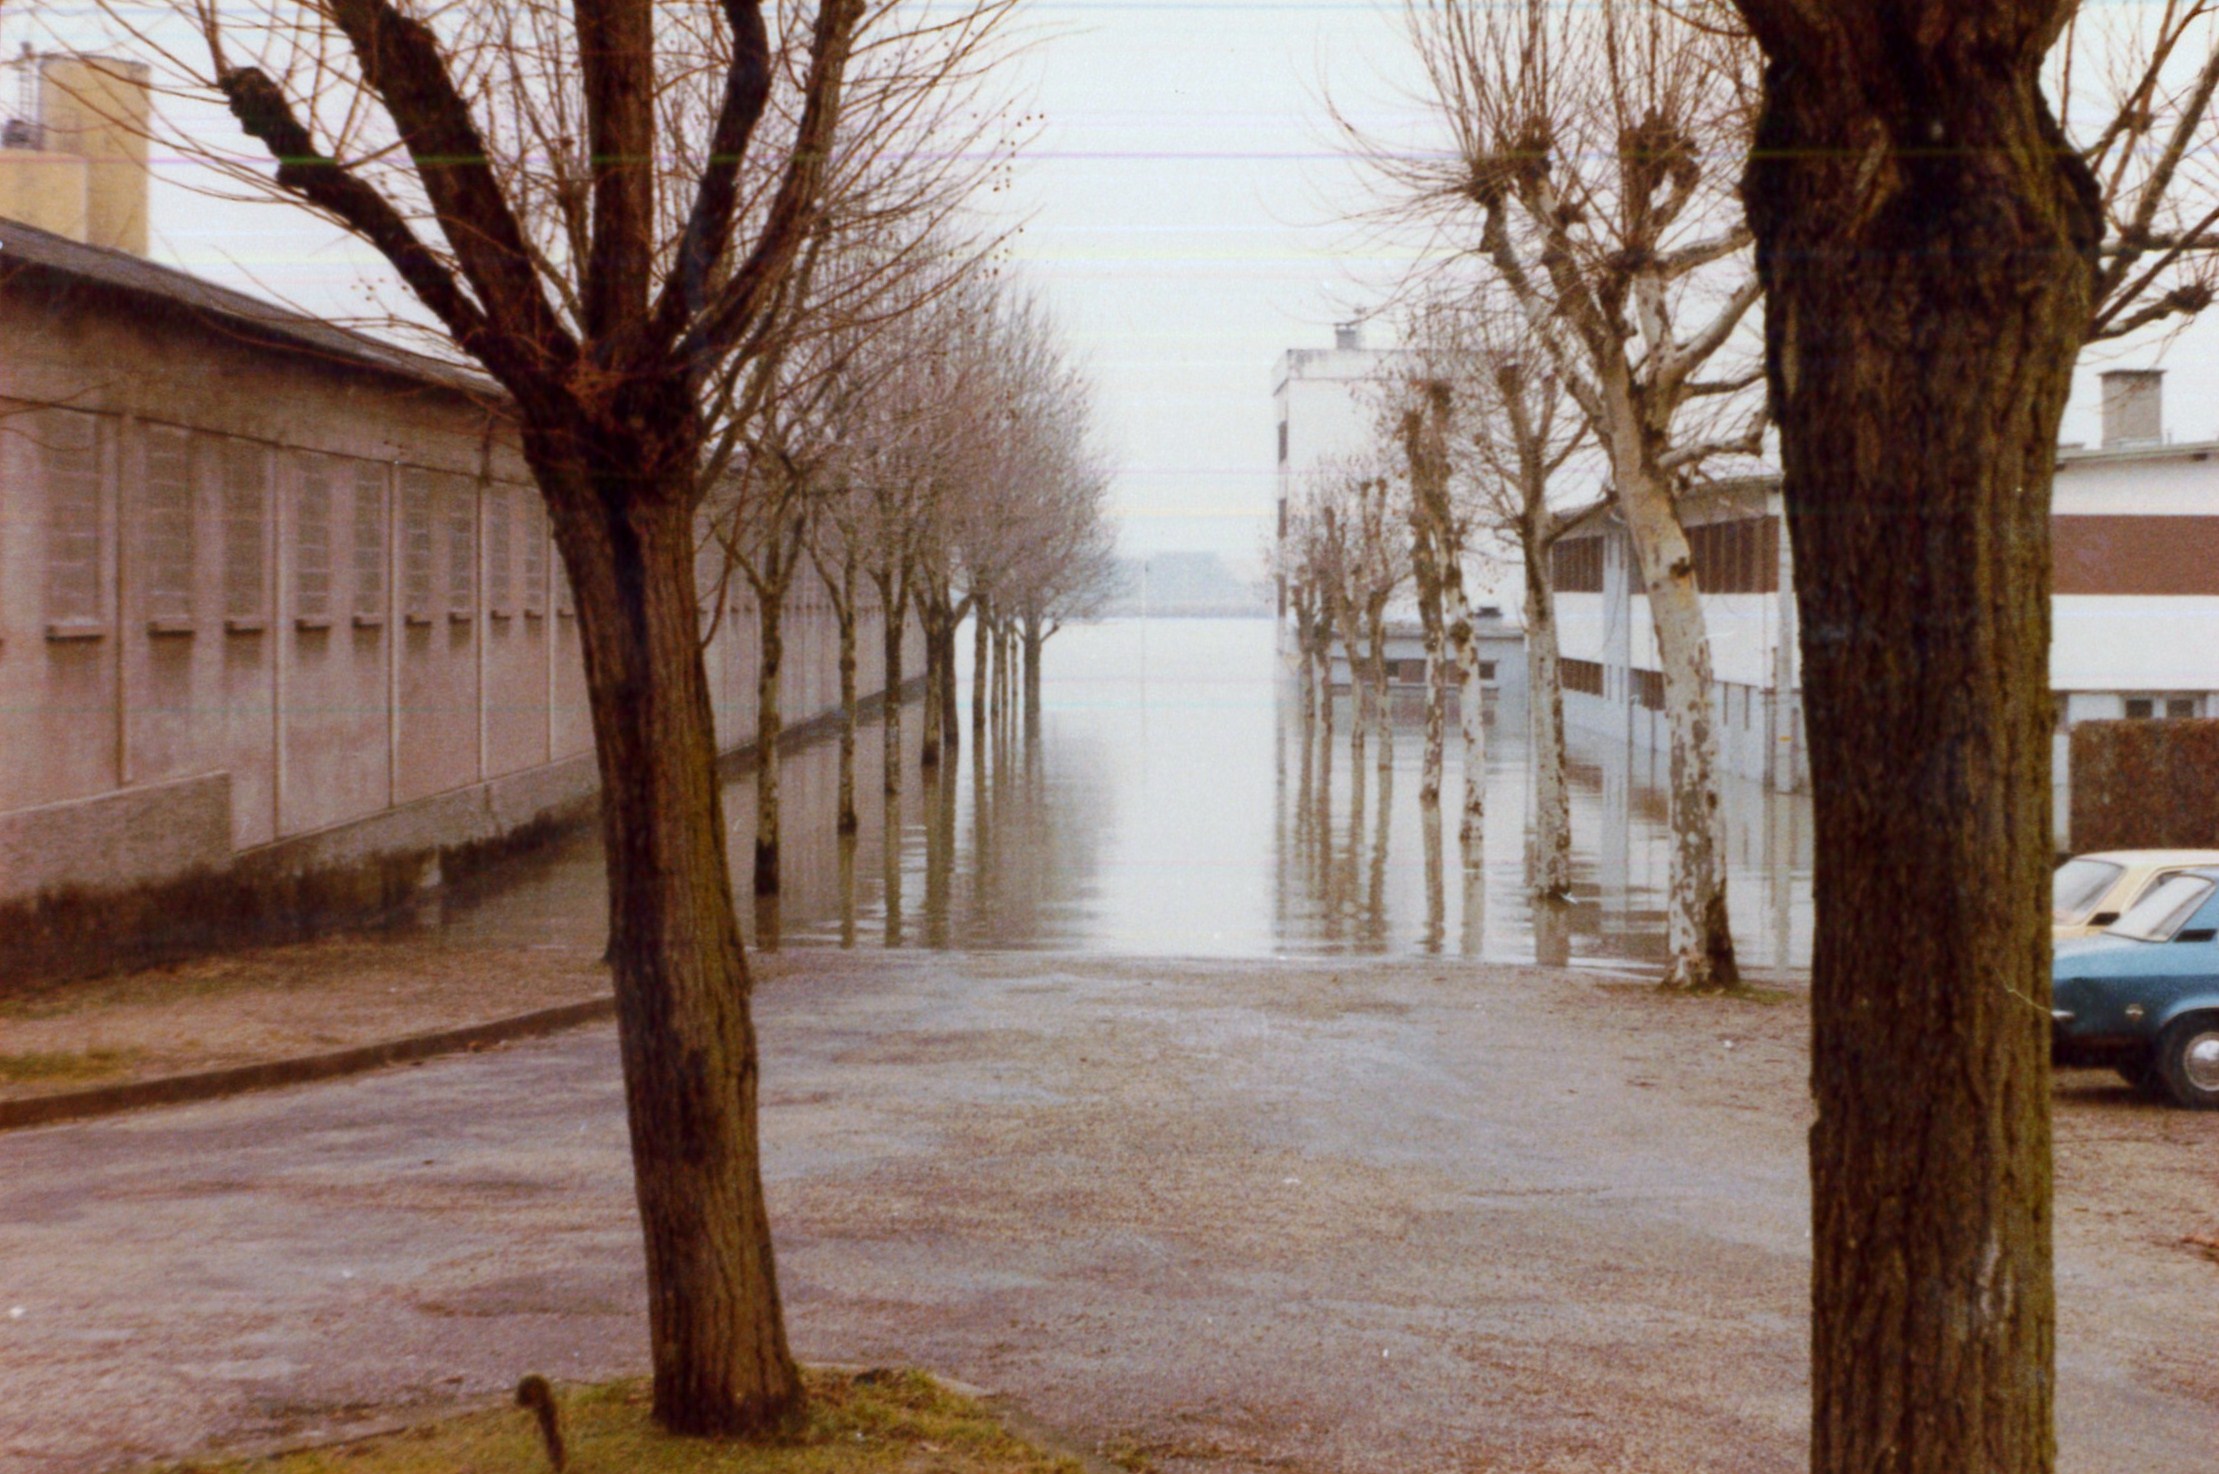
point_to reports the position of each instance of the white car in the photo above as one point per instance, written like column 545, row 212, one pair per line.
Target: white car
column 2089, row 892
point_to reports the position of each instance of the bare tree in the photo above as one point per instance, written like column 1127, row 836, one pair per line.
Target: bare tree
column 602, row 204
column 1581, row 136
column 1936, row 250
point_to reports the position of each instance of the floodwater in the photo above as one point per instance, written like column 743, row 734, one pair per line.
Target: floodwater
column 1164, row 808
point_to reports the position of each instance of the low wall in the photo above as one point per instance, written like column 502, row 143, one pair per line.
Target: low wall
column 2145, row 785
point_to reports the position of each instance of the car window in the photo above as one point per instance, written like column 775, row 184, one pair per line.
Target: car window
column 2077, row 885
column 2163, row 911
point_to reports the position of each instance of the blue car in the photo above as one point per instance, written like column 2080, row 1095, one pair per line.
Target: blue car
column 2142, row 995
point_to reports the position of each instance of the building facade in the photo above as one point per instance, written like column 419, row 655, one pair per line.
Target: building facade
column 1325, row 411
column 2134, row 617
column 276, row 594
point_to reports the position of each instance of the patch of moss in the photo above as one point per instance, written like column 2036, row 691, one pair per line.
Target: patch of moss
column 871, row 1423
column 64, row 1067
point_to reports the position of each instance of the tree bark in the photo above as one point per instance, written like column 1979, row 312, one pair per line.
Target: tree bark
column 1036, row 642
column 981, row 669
column 896, row 617
column 1699, row 943
column 1928, row 243
column 1549, row 860
column 717, row 1338
column 929, row 617
column 770, row 620
column 1382, row 707
column 848, row 821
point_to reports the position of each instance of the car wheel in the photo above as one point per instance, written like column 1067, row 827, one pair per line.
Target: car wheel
column 2188, row 1058
column 2146, row 1078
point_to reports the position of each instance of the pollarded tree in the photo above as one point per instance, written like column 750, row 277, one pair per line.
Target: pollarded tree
column 1582, row 136
column 600, row 203
column 1936, row 250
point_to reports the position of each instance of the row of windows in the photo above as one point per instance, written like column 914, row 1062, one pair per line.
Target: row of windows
column 1583, row 676
column 1739, row 557
column 1578, row 566
column 439, row 528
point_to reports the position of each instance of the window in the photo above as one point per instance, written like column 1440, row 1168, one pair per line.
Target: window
column 462, row 551
column 2180, row 706
column 535, row 557
column 2163, row 911
column 500, row 577
column 245, row 485
column 1648, row 689
column 69, row 459
column 1411, row 671
column 1578, row 565
column 1487, row 670
column 1583, row 676
column 312, row 544
column 2140, row 708
column 369, row 542
column 171, row 563
column 416, row 543
column 2077, row 885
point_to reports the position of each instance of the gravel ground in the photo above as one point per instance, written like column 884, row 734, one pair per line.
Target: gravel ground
column 275, row 1003
column 1227, row 1217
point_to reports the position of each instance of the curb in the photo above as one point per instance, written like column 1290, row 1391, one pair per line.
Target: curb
column 109, row 1100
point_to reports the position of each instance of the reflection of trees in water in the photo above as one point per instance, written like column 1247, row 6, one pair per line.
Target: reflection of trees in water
column 1335, row 868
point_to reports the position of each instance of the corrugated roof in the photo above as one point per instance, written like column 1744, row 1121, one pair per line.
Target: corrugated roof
column 265, row 322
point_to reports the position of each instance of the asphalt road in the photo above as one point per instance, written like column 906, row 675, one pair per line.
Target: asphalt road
column 1372, row 1216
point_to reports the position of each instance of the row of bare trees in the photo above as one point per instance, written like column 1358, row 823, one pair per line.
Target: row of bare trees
column 720, row 267
column 1675, row 230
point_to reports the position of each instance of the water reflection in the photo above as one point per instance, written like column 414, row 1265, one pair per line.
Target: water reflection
column 1169, row 802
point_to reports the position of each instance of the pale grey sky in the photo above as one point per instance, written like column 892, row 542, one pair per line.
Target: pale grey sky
column 1181, row 200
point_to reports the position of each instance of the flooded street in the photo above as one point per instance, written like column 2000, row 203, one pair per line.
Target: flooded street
column 1165, row 808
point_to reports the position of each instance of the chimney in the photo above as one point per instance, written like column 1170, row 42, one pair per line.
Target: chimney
column 1348, row 335
column 81, row 170
column 2133, row 407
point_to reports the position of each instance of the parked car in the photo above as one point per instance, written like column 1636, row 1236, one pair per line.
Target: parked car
column 2089, row 892
column 2142, row 996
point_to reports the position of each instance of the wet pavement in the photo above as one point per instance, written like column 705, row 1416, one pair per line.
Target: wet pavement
column 1330, row 1215
column 1165, row 808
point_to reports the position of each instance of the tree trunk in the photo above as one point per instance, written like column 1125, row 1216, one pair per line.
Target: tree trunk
column 770, row 619
column 1437, row 669
column 848, row 822
column 1382, row 703
column 931, row 617
column 1927, row 242
column 1699, row 944
column 1549, row 858
column 981, row 667
column 717, row 1340
column 1471, row 708
column 896, row 616
column 951, row 726
column 1036, row 642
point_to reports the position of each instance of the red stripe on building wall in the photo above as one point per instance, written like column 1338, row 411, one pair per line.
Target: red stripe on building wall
column 2136, row 555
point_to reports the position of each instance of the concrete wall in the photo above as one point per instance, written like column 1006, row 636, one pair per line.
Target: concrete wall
column 320, row 592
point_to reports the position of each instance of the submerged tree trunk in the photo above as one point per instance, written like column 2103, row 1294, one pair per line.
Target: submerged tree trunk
column 1697, row 939
column 1549, row 858
column 1471, row 708
column 931, row 617
column 717, row 1339
column 896, row 616
column 1382, row 705
column 981, row 667
column 1928, row 244
column 1425, row 560
column 848, row 822
column 1036, row 644
column 771, row 624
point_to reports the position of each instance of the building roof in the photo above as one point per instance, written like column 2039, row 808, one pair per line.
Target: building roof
column 255, row 320
column 2135, row 450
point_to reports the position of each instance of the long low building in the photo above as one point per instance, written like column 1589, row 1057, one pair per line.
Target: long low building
column 277, row 594
column 2134, row 618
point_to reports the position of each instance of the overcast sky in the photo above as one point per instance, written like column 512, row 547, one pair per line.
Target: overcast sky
column 1182, row 201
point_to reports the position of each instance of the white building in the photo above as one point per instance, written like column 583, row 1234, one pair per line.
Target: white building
column 2135, row 618
column 1325, row 407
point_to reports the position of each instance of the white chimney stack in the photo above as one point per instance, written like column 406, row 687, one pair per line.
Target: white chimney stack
column 2133, row 407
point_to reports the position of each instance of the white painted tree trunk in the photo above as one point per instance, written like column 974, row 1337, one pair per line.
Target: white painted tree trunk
column 1471, row 702
column 1701, row 949
column 1549, row 860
